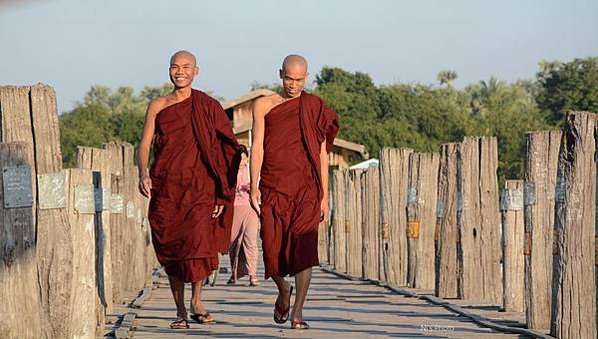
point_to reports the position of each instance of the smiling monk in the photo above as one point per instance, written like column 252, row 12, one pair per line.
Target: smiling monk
column 191, row 184
column 292, row 135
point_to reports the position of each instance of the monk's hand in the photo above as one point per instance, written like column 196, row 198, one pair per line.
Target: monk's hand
column 217, row 211
column 256, row 199
column 145, row 185
column 324, row 210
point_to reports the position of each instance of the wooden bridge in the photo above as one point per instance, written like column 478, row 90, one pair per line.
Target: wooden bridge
column 424, row 245
column 336, row 306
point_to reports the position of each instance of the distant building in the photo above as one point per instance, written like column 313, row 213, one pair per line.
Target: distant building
column 239, row 112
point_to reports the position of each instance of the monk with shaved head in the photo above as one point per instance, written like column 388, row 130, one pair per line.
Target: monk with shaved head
column 191, row 184
column 292, row 135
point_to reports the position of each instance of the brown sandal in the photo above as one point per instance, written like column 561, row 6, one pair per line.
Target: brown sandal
column 281, row 316
column 299, row 325
column 205, row 318
column 179, row 324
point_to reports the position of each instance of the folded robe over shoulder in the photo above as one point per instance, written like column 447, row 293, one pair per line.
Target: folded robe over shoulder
column 196, row 159
column 291, row 182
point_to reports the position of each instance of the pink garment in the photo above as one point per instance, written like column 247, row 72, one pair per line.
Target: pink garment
column 242, row 189
column 243, row 250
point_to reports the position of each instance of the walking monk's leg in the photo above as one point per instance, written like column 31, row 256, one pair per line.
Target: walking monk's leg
column 198, row 311
column 302, row 281
column 282, row 306
column 178, row 293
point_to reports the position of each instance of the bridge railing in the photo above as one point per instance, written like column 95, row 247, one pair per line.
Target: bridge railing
column 437, row 222
column 73, row 242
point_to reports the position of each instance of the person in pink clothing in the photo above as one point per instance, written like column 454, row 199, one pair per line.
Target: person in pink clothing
column 243, row 250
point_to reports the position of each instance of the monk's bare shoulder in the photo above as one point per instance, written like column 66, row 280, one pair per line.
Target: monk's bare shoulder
column 158, row 104
column 264, row 104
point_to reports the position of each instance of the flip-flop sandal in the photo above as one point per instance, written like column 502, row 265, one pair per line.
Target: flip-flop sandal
column 179, row 324
column 283, row 315
column 205, row 318
column 299, row 325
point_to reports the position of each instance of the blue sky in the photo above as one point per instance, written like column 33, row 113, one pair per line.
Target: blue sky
column 74, row 44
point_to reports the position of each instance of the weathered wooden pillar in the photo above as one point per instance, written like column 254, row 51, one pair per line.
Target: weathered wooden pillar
column 479, row 252
column 353, row 223
column 117, row 220
column 447, row 234
column 81, row 213
column 19, row 288
column 421, row 219
column 541, row 160
column 98, row 160
column 512, row 233
column 338, row 220
column 370, row 223
column 29, row 114
column 573, row 277
column 394, row 174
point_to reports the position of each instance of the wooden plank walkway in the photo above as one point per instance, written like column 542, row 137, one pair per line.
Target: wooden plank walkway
column 335, row 307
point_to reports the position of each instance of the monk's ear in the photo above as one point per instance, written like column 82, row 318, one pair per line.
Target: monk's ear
column 281, row 73
column 196, row 71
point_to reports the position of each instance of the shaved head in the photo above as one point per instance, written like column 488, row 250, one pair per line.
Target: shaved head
column 294, row 61
column 293, row 74
column 183, row 69
column 185, row 54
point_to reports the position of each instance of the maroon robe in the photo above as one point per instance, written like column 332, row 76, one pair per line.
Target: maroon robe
column 196, row 160
column 290, row 183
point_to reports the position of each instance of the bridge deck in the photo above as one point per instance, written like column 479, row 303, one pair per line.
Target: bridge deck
column 335, row 307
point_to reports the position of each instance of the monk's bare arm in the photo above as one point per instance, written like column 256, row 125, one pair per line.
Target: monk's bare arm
column 257, row 147
column 147, row 135
column 324, row 174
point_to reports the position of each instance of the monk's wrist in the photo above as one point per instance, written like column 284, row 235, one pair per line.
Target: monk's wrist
column 143, row 173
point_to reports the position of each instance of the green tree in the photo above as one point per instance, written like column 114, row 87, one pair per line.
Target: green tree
column 447, row 77
column 567, row 86
column 506, row 111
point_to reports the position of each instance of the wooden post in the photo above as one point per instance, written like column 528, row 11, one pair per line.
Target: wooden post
column 54, row 243
column 353, row 223
column 479, row 252
column 325, row 243
column 370, row 204
column 541, row 160
column 338, row 221
column 512, row 234
column 421, row 218
column 29, row 112
column 138, row 265
column 19, row 289
column 99, row 161
column 117, row 220
column 81, row 212
column 394, row 174
column 573, row 277
column 447, row 234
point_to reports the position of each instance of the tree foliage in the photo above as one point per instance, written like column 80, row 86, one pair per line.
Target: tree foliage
column 424, row 116
column 567, row 86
